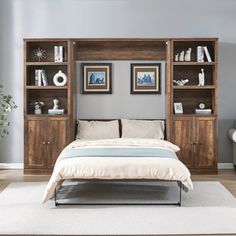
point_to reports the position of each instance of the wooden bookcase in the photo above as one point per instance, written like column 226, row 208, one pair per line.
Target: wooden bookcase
column 46, row 135
column 195, row 134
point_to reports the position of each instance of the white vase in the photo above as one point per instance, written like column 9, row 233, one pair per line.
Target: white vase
column 38, row 111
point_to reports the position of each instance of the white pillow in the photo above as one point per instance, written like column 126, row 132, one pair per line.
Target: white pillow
column 143, row 129
column 97, row 129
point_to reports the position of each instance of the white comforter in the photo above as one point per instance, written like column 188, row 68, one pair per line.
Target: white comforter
column 118, row 167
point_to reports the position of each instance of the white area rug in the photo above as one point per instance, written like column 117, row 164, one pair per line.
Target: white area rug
column 208, row 209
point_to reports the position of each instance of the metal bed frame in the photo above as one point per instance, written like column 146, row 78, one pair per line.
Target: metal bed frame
column 177, row 203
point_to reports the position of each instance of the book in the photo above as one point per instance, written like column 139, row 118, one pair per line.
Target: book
column 44, row 78
column 38, row 77
column 207, row 54
column 200, row 54
column 58, row 53
column 203, row 111
column 55, row 111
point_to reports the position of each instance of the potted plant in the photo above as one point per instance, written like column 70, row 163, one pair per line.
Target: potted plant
column 6, row 105
column 37, row 105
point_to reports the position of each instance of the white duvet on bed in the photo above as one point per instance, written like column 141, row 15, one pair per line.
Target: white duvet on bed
column 118, row 167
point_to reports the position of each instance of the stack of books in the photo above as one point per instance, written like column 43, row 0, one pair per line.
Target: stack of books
column 40, row 78
column 201, row 50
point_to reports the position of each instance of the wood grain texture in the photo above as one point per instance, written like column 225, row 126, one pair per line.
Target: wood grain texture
column 35, row 143
column 205, row 135
column 182, row 135
column 58, row 138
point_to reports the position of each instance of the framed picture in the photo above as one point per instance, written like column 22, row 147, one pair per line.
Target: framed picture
column 178, row 107
column 145, row 78
column 96, row 78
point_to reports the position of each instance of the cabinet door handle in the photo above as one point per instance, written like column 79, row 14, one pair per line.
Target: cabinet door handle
column 44, row 142
column 49, row 142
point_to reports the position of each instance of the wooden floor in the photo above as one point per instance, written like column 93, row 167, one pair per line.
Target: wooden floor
column 226, row 177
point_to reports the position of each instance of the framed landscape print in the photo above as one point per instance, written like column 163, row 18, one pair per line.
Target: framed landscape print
column 96, row 78
column 145, row 78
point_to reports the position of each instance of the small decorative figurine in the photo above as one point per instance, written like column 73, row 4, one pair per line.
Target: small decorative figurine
column 181, row 82
column 181, row 56
column 187, row 56
column 177, row 57
column 201, row 78
column 55, row 104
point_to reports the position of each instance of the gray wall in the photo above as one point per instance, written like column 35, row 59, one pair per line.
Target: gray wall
column 122, row 104
column 115, row 18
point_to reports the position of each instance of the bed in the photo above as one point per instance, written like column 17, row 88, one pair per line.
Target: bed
column 115, row 158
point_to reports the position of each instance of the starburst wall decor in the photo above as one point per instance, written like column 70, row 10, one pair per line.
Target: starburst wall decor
column 39, row 54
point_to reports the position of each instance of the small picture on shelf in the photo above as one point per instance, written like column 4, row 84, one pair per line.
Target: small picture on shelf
column 96, row 78
column 145, row 78
column 178, row 108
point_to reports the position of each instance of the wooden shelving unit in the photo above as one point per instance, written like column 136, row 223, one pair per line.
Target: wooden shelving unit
column 46, row 135
column 196, row 134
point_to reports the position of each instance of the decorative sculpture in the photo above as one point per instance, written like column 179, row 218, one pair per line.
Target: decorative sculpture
column 55, row 104
column 181, row 56
column 177, row 57
column 61, row 75
column 181, row 82
column 201, row 78
column 187, row 56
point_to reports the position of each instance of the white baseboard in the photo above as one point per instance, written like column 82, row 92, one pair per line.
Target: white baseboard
column 11, row 166
column 228, row 166
column 20, row 166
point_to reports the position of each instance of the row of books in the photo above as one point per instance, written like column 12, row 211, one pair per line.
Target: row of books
column 40, row 78
column 201, row 52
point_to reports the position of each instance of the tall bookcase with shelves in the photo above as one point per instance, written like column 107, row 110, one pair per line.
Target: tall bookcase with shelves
column 46, row 135
column 196, row 134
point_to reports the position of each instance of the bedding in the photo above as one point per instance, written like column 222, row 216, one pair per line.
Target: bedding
column 143, row 129
column 97, row 129
column 118, row 159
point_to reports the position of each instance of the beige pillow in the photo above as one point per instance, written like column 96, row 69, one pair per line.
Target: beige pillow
column 97, row 129
column 143, row 129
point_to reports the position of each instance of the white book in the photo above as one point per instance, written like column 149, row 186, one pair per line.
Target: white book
column 200, row 54
column 207, row 54
column 203, row 111
column 38, row 79
column 60, row 59
column 44, row 78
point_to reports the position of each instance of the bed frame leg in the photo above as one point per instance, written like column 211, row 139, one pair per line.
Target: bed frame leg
column 55, row 199
column 180, row 195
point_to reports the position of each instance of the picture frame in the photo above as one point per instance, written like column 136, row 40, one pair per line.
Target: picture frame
column 96, row 78
column 178, row 108
column 145, row 78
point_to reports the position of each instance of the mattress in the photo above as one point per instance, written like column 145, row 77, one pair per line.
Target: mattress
column 118, row 159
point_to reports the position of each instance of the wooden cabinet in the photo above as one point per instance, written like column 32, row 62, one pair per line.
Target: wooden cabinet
column 35, row 151
column 196, row 137
column 46, row 137
column 182, row 135
column 45, row 134
column 58, row 130
column 205, row 142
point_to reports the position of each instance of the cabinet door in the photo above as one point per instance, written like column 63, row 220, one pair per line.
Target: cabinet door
column 57, row 138
column 205, row 156
column 182, row 134
column 35, row 142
